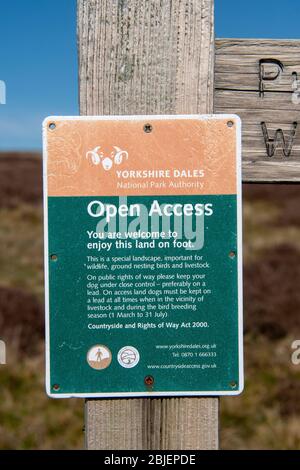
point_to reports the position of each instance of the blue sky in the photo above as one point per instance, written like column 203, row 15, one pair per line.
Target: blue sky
column 38, row 57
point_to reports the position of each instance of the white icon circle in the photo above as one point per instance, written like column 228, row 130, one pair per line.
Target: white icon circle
column 128, row 357
column 99, row 357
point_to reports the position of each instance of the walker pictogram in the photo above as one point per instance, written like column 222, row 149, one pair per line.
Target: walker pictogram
column 99, row 357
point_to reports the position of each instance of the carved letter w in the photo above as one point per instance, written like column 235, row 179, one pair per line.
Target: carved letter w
column 280, row 138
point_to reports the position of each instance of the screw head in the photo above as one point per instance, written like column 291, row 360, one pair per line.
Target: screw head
column 149, row 380
column 148, row 128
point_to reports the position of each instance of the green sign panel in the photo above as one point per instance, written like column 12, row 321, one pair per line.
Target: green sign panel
column 143, row 256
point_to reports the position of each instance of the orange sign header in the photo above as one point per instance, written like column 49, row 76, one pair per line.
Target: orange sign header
column 138, row 155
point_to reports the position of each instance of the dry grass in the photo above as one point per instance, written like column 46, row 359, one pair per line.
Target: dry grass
column 261, row 231
column 28, row 418
column 259, row 418
column 21, row 254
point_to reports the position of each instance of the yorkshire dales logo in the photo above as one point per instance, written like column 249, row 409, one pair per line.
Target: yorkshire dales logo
column 116, row 157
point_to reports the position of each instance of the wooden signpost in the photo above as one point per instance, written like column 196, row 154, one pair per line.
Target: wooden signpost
column 148, row 57
column 260, row 81
column 151, row 57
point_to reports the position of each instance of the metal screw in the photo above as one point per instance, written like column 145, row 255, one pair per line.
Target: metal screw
column 52, row 126
column 149, row 380
column 232, row 255
column 233, row 384
column 53, row 257
column 230, row 123
column 148, row 128
column 56, row 387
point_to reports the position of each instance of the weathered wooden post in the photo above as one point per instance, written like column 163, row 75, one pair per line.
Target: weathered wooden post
column 148, row 57
column 259, row 80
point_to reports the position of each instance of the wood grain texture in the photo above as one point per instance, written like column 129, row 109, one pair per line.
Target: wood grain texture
column 152, row 424
column 145, row 56
column 246, row 86
column 148, row 57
